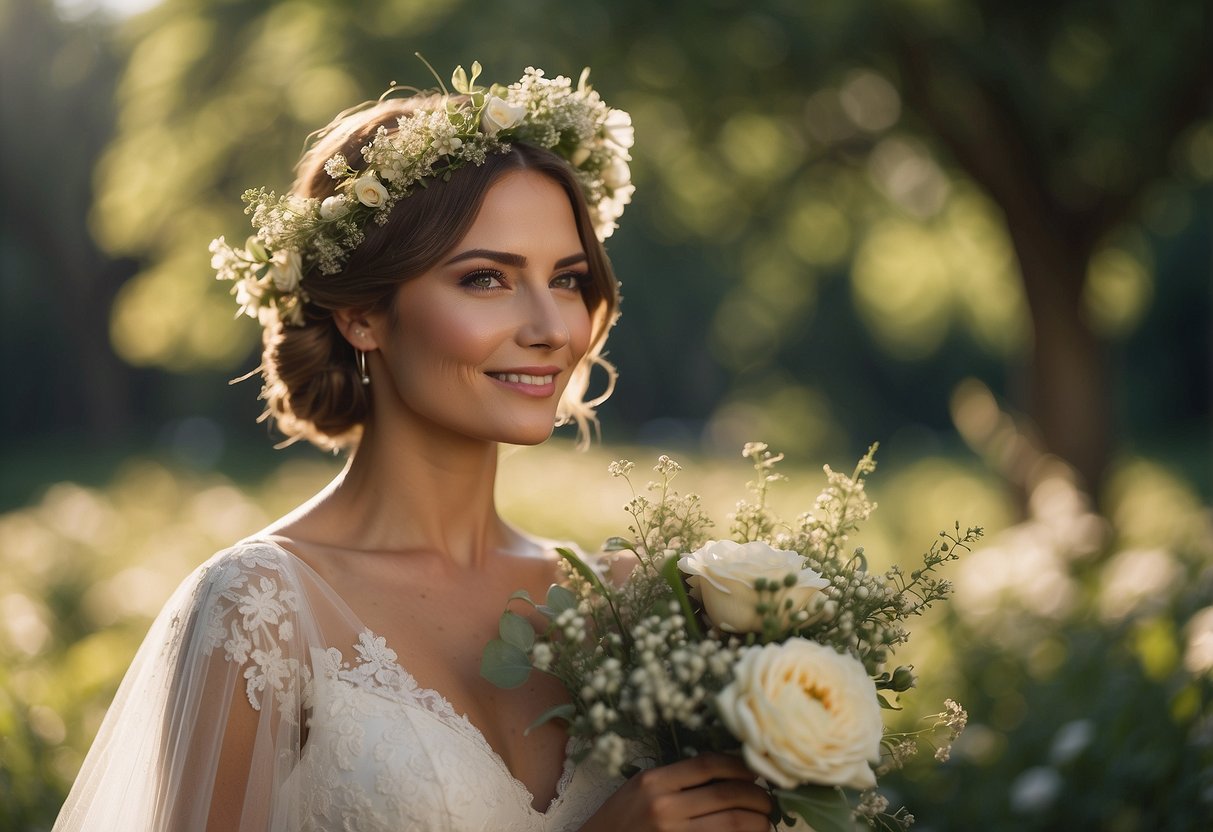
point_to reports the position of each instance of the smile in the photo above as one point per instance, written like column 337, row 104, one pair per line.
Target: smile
column 522, row 378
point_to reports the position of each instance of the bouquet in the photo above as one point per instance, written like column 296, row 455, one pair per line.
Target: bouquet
column 773, row 644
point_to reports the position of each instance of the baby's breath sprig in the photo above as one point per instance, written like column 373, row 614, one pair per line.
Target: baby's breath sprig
column 752, row 520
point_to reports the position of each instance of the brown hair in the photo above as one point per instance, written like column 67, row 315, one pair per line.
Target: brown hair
column 312, row 388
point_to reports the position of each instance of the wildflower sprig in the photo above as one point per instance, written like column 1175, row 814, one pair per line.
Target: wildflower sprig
column 296, row 236
column 691, row 652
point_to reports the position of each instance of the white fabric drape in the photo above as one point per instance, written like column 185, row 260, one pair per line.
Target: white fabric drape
column 326, row 729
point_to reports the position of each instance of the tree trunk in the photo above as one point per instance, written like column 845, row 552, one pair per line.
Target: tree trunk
column 1069, row 398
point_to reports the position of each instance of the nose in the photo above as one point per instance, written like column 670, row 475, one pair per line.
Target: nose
column 544, row 325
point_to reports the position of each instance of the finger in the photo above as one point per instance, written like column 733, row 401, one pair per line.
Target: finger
column 697, row 771
column 733, row 820
column 722, row 796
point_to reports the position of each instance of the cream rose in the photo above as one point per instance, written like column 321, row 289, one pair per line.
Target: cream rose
column 286, row 270
column 500, row 115
column 804, row 714
column 370, row 191
column 723, row 572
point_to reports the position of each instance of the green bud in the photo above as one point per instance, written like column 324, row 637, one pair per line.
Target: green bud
column 760, row 584
column 789, row 580
column 903, row 679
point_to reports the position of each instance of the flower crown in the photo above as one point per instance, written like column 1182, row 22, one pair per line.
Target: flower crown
column 294, row 233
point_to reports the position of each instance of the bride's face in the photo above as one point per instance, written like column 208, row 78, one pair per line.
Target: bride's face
column 484, row 343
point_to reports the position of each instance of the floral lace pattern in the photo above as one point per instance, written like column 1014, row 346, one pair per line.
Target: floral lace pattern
column 259, row 604
column 382, row 752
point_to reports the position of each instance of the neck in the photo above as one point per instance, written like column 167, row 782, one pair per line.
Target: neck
column 407, row 489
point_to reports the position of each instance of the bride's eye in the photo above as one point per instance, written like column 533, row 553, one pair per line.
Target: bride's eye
column 570, row 280
column 482, row 280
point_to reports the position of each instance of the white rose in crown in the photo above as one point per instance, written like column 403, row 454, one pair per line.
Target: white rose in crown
column 334, row 207
column 500, row 115
column 722, row 577
column 804, row 714
column 370, row 191
column 286, row 270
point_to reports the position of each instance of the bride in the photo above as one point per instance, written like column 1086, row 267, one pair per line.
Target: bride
column 433, row 285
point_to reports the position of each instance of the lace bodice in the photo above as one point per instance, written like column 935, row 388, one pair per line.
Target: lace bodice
column 256, row 628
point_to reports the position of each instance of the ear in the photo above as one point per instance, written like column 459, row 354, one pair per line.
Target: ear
column 359, row 327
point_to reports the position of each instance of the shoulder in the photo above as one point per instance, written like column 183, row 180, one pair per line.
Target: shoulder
column 248, row 597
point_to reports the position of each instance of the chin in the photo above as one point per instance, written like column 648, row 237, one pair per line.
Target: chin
column 527, row 436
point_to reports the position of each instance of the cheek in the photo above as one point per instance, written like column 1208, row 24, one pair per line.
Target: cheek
column 450, row 337
column 579, row 325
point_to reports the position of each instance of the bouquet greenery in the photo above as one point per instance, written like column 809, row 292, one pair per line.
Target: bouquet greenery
column 773, row 644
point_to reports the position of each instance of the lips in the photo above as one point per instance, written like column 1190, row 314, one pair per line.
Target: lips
column 539, row 382
column 525, row 378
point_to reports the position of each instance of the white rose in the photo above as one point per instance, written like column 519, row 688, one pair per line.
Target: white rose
column 617, row 174
column 804, row 714
column 334, row 207
column 500, row 115
column 618, row 129
column 286, row 270
column 723, row 573
column 370, row 191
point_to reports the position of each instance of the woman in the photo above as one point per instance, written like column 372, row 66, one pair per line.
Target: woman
column 435, row 284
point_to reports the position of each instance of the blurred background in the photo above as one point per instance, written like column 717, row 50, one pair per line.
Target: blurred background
column 976, row 232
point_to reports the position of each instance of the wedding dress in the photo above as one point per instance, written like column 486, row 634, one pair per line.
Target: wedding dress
column 342, row 736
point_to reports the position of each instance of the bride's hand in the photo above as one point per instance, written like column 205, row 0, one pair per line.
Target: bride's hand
column 708, row 793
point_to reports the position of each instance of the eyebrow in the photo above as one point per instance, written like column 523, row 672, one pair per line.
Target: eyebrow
column 511, row 259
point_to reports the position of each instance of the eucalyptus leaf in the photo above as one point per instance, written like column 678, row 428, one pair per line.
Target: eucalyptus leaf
column 522, row 595
column 560, row 599
column 565, row 711
column 886, row 704
column 618, row 544
column 516, row 630
column 504, row 664
column 825, row 808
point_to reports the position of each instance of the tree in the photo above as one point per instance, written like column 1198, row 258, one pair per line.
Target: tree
column 992, row 153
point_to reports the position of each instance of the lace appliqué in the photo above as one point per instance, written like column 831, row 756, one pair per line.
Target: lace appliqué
column 252, row 618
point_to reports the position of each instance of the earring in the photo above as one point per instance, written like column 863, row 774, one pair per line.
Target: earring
column 360, row 357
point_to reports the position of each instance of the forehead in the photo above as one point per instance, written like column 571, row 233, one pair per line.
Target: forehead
column 524, row 209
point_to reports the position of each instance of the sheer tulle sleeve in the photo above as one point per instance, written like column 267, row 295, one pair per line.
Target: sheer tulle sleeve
column 208, row 723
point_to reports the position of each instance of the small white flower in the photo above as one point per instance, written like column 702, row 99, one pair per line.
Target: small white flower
column 618, row 174
column 370, row 191
column 334, row 207
column 447, row 145
column 500, row 115
column 286, row 270
column 618, row 129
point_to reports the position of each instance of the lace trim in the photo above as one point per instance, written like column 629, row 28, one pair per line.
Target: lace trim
column 376, row 670
column 253, row 619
